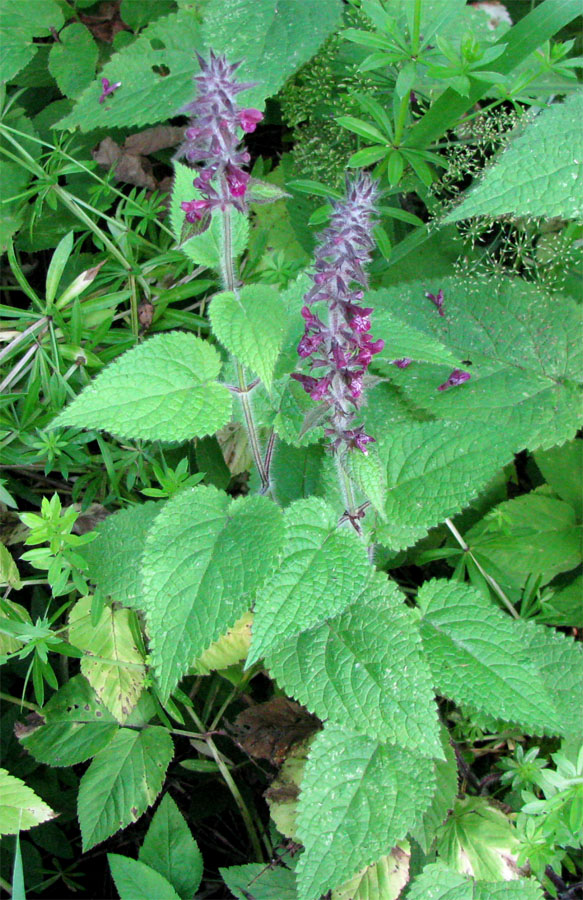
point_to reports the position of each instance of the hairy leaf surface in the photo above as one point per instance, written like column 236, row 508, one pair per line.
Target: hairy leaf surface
column 434, row 469
column 163, row 389
column 321, row 569
column 122, row 781
column 437, row 882
column 358, row 798
column 446, row 788
column 364, row 669
column 205, row 556
column 477, row 656
column 539, row 174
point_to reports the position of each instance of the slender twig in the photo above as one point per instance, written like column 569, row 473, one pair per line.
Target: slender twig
column 19, row 701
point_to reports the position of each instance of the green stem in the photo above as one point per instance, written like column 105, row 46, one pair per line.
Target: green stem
column 416, row 27
column 5, row 886
column 236, row 794
column 19, row 701
column 491, row 581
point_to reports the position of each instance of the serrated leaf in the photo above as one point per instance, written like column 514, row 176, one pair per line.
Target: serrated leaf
column 20, row 808
column 437, row 882
column 118, row 672
column 321, row 569
column 434, row 469
column 523, row 344
column 68, row 743
column 540, row 173
column 273, row 38
column 533, row 535
column 163, row 389
column 295, row 472
column 250, row 324
column 383, row 880
column 155, row 72
column 135, row 880
column 478, row 657
column 122, row 781
column 364, row 669
column 370, row 475
column 205, row 556
column 170, row 849
column 561, row 468
column 207, row 248
column 18, row 28
column 73, row 58
column 230, row 649
column 479, row 840
column 114, row 558
column 559, row 660
column 265, row 882
column 446, row 788
column 358, row 798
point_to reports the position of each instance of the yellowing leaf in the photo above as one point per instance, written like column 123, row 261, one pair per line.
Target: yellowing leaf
column 20, row 808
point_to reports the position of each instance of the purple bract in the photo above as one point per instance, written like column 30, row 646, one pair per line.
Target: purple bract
column 108, row 88
column 458, row 376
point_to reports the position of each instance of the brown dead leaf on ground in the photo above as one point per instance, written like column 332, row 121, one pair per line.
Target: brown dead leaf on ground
column 128, row 167
column 269, row 730
column 150, row 140
column 106, row 22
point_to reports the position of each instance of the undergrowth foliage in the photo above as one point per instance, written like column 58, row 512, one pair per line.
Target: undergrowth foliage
column 318, row 439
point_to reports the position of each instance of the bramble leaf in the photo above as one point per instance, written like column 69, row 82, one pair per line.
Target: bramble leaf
column 265, row 882
column 273, row 38
column 122, row 781
column 20, row 807
column 321, row 569
column 163, row 389
column 434, row 469
column 170, row 849
column 250, row 325
column 205, row 556
column 358, row 798
column 136, row 881
column 478, row 657
column 364, row 669
column 155, row 72
column 540, row 173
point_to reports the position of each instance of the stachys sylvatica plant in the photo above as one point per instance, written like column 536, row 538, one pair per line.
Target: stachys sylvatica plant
column 372, row 415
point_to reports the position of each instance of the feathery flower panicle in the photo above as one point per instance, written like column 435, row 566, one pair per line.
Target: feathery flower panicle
column 213, row 138
column 341, row 348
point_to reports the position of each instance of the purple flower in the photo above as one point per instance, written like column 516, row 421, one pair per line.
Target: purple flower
column 237, row 180
column 437, row 299
column 249, row 119
column 108, row 88
column 343, row 344
column 458, row 376
column 402, row 363
column 195, row 209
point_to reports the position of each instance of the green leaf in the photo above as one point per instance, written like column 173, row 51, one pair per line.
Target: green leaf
column 251, row 325
column 112, row 663
column 273, row 38
column 170, row 849
column 370, row 475
column 559, row 660
column 364, row 129
column 57, row 264
column 383, row 880
column 73, row 58
column 156, row 77
column 434, row 469
column 538, row 173
column 446, row 788
column 561, row 468
column 113, row 557
column 295, row 472
column 438, row 882
column 527, row 359
column 136, row 881
column 20, row 808
column 364, row 669
column 479, row 840
column 205, row 556
column 321, row 569
column 231, row 648
column 163, row 389
column 208, row 248
column 18, row 28
column 358, row 798
column 533, row 535
column 122, row 781
column 366, row 157
column 564, row 606
column 265, row 882
column 478, row 657
column 9, row 574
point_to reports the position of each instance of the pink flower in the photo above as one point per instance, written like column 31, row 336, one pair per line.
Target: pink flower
column 437, row 300
column 237, row 180
column 108, row 88
column 194, row 209
column 458, row 376
column 249, row 119
column 402, row 363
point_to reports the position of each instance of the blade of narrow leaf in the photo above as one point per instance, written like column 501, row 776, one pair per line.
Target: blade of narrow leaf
column 205, row 556
column 163, row 389
column 18, row 892
column 321, row 569
column 170, row 849
column 364, row 669
column 122, row 781
column 477, row 656
column 358, row 798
